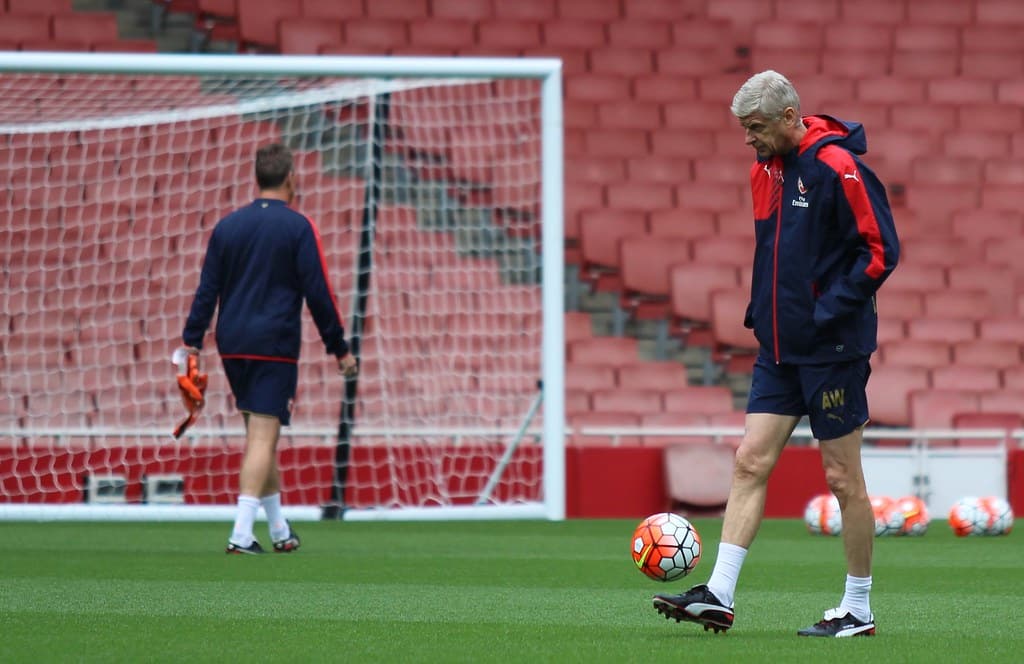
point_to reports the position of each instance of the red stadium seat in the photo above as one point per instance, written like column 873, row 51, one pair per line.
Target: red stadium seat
column 940, row 251
column 578, row 326
column 85, row 28
column 649, row 375
column 603, row 419
column 645, row 264
column 126, row 46
column 1002, row 401
column 935, row 409
column 691, row 285
column 20, row 28
column 1008, row 422
column 680, row 420
column 900, row 304
column 306, row 36
column 682, row 223
column 925, row 64
column 916, row 353
column 590, row 377
column 604, row 350
column 706, row 399
column 725, row 250
column 1002, row 329
column 576, row 33
column 639, row 33
column 332, row 10
column 950, row 330
column 258, row 21
column 706, row 489
column 600, row 232
column 891, row 329
column 735, row 345
column 638, row 402
column 889, row 389
column 914, row 277
column 513, row 35
column 971, row 304
column 962, row 377
column 988, row 352
column 49, row 7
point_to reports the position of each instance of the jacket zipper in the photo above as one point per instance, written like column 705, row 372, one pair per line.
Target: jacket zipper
column 775, row 270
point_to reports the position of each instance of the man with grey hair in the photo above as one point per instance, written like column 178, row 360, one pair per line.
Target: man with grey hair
column 825, row 243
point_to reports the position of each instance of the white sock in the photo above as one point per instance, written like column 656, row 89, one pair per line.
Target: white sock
column 248, row 506
column 727, row 572
column 856, row 599
column 275, row 519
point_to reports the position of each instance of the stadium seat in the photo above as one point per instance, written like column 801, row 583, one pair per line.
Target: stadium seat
column 577, row 33
column 913, row 278
column 890, row 329
column 966, row 377
column 604, row 350
column 306, row 36
column 584, row 377
column 1007, row 400
column 725, row 250
column 509, row 34
column 1002, row 328
column 708, row 488
column 934, row 328
column 126, row 46
column 636, row 401
column 994, row 353
column 600, row 232
column 970, row 304
column 21, row 28
column 706, row 399
column 645, row 263
column 925, row 64
column 691, row 285
column 603, row 419
column 899, row 304
column 1008, row 422
column 940, row 251
column 1003, row 251
column 1013, row 378
column 916, row 353
column 991, row 38
column 47, row 7
column 1004, row 12
column 735, row 223
column 681, row 223
column 889, row 389
column 578, row 326
column 735, row 346
column 258, row 22
column 935, row 409
column 332, row 10
column 652, row 375
column 85, row 28
column 674, row 420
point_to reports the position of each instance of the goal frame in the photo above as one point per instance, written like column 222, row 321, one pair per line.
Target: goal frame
column 548, row 71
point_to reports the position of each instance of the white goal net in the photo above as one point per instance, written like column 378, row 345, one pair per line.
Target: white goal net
column 426, row 188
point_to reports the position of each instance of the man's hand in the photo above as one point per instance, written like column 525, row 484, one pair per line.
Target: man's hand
column 348, row 365
column 192, row 386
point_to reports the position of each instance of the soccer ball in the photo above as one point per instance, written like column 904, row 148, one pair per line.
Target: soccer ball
column 666, row 547
column 967, row 517
column 998, row 513
column 822, row 515
column 915, row 515
column 888, row 517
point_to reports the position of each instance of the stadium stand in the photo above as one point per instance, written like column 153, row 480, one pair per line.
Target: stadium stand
column 655, row 191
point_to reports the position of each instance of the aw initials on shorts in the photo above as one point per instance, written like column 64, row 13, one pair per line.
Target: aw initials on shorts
column 832, row 398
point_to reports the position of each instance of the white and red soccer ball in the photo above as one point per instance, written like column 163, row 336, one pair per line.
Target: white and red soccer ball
column 822, row 515
column 889, row 519
column 666, row 547
column 989, row 515
column 915, row 515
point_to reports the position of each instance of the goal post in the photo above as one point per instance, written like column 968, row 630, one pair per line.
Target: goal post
column 436, row 187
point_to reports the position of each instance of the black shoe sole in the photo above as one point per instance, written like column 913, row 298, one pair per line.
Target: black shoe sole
column 671, row 611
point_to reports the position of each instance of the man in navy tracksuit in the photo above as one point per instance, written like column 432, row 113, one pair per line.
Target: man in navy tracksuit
column 825, row 243
column 261, row 262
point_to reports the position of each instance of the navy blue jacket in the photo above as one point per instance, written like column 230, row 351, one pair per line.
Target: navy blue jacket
column 261, row 262
column 825, row 243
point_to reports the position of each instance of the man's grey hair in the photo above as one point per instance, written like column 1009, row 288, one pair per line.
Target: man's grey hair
column 768, row 93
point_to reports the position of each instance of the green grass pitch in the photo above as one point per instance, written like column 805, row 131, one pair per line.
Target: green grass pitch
column 482, row 592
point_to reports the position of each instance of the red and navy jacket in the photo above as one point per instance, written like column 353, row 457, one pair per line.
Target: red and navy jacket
column 261, row 262
column 825, row 243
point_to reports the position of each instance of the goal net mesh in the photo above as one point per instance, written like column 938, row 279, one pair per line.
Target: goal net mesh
column 113, row 185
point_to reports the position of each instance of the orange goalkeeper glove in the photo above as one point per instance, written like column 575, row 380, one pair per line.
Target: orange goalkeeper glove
column 192, row 386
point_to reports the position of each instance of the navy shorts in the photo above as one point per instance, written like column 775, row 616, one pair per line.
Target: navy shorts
column 263, row 387
column 833, row 396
